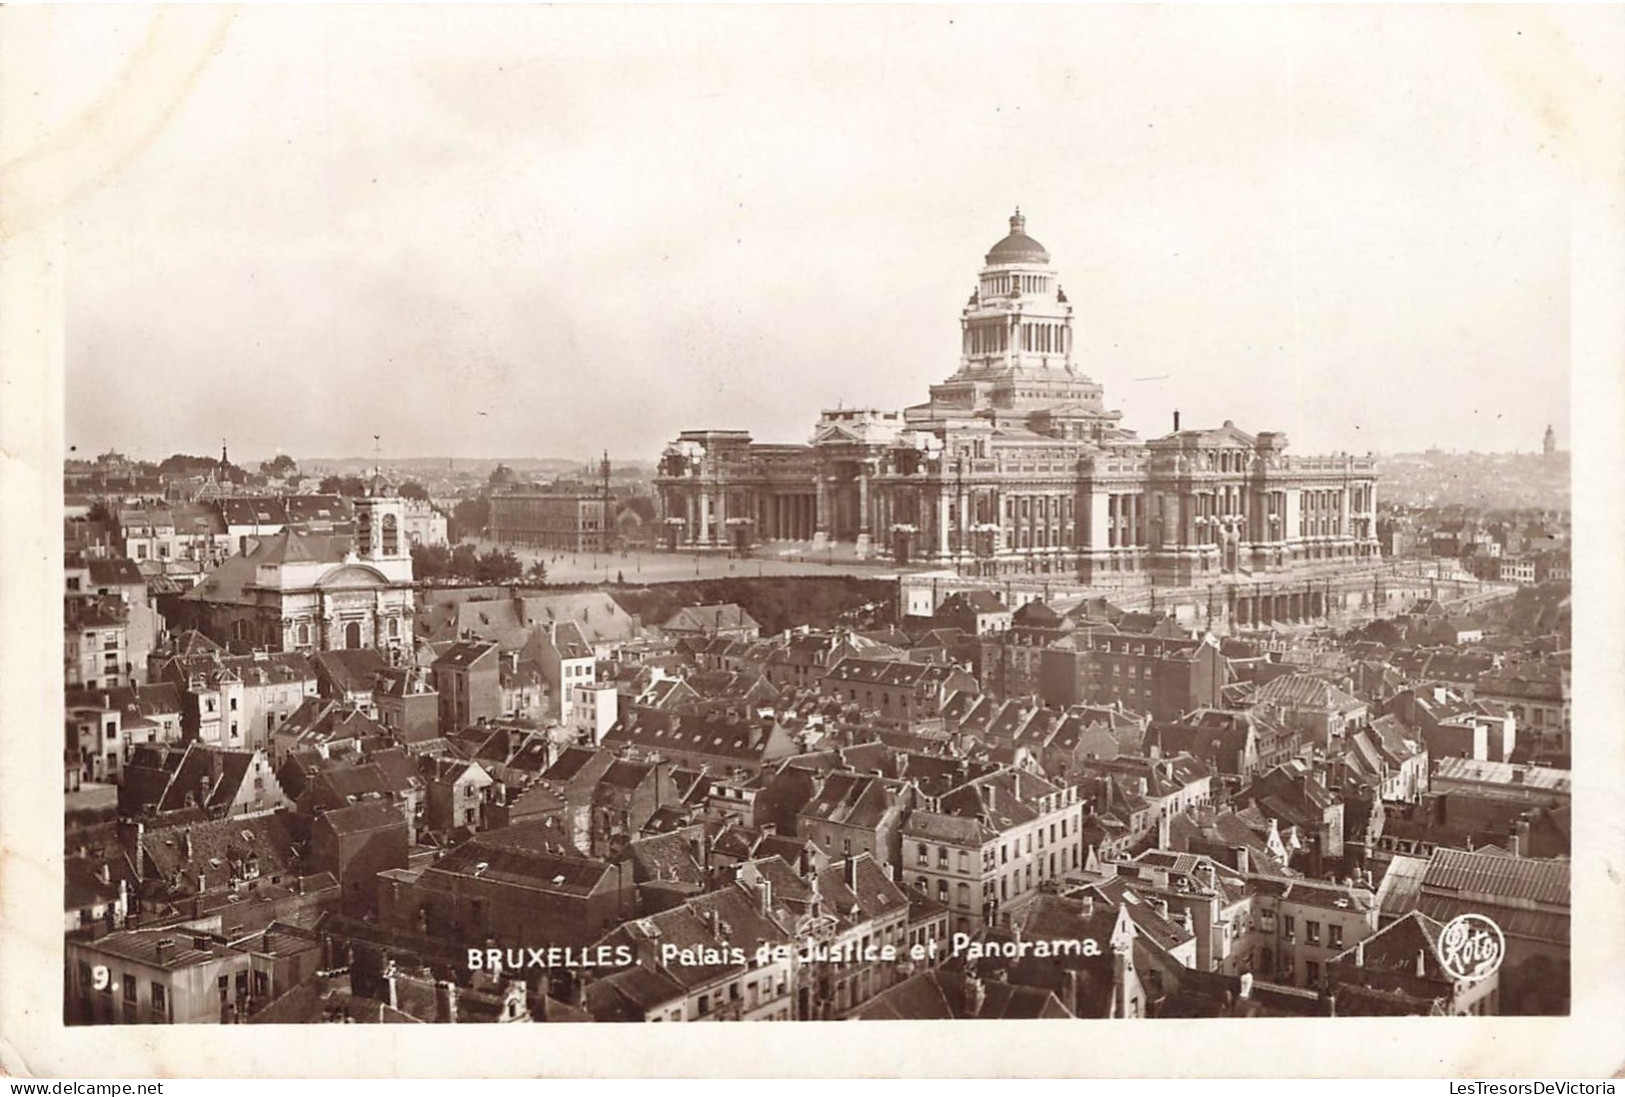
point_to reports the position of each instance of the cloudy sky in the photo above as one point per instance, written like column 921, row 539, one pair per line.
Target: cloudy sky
column 511, row 231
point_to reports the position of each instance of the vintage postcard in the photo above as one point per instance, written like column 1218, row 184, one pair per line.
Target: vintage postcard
column 1055, row 534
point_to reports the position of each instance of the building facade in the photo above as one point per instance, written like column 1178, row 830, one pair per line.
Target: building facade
column 566, row 520
column 1015, row 466
column 293, row 591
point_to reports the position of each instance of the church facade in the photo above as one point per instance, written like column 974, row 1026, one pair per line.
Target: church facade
column 1016, row 467
column 309, row 592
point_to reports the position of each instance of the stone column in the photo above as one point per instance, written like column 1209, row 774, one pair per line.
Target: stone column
column 821, row 532
column 942, row 525
column 964, row 522
column 863, row 509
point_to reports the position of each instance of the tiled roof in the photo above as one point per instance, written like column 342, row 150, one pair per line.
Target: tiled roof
column 539, row 870
column 115, row 572
column 709, row 619
column 1505, row 773
column 1306, row 691
column 169, row 949
column 570, row 641
column 946, row 995
column 179, row 855
column 360, row 818
column 1512, row 879
column 466, row 654
column 352, row 670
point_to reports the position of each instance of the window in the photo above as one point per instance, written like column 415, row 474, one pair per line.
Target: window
column 1312, row 974
column 942, row 856
column 942, row 892
column 1336, row 934
column 924, row 857
column 1289, row 927
column 233, row 705
column 160, row 1000
column 1313, row 930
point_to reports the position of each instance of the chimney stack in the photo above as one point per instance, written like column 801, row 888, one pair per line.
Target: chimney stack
column 852, row 875
column 1176, row 420
column 975, row 996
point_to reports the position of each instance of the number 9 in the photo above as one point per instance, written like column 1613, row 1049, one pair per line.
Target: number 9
column 99, row 977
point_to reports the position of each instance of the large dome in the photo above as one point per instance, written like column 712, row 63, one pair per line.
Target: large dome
column 1018, row 247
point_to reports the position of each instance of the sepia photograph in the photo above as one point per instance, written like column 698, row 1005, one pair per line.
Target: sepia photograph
column 597, row 514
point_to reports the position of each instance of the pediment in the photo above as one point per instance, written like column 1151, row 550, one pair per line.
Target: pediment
column 353, row 576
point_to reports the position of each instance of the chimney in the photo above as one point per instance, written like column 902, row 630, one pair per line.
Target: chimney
column 446, row 1002
column 163, row 947
column 1246, row 985
column 389, row 978
column 852, row 875
column 1421, row 963
column 764, row 893
column 975, row 996
column 1176, row 420
column 104, row 873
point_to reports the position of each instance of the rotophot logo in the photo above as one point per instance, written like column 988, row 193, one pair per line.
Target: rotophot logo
column 1471, row 947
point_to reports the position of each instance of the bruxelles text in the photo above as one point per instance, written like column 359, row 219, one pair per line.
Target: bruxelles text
column 809, row 952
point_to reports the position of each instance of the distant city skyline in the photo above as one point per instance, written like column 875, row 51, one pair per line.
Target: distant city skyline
column 509, row 230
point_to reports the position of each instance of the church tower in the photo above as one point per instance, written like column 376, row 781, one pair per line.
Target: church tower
column 1548, row 445
column 380, row 534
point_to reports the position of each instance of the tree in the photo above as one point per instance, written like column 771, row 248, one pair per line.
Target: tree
column 641, row 505
column 414, row 490
column 537, row 572
column 100, row 512
column 184, row 464
column 469, row 518
column 431, row 561
column 351, row 486
column 464, row 562
column 278, row 466
column 498, row 566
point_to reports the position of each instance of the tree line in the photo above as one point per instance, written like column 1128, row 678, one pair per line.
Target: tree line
column 495, row 565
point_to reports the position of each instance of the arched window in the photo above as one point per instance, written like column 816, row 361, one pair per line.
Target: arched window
column 392, row 545
column 304, row 635
column 352, row 635
column 393, row 628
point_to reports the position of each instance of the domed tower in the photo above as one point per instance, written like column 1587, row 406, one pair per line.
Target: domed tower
column 1018, row 317
column 1015, row 361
